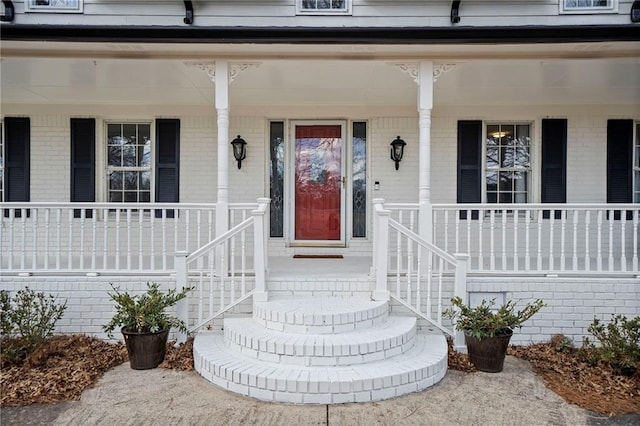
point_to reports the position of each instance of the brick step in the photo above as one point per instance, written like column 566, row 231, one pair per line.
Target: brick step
column 416, row 369
column 390, row 338
column 321, row 315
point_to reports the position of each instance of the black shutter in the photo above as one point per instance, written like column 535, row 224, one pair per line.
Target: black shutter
column 17, row 160
column 469, row 164
column 167, row 163
column 83, row 154
column 554, row 163
column 619, row 166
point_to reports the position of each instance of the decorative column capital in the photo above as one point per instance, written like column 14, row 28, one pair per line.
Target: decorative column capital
column 208, row 67
column 234, row 68
column 413, row 69
column 439, row 69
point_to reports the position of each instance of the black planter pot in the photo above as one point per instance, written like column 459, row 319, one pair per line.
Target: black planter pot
column 488, row 354
column 146, row 350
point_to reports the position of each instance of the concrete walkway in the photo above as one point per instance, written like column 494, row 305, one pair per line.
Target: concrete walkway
column 163, row 397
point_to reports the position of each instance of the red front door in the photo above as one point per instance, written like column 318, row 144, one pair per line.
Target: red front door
column 318, row 182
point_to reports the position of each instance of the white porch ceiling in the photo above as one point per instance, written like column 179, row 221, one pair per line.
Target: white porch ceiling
column 365, row 77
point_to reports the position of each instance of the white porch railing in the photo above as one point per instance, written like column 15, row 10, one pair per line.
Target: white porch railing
column 541, row 238
column 414, row 272
column 216, row 292
column 104, row 237
column 535, row 238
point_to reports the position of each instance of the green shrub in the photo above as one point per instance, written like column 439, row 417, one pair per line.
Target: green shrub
column 485, row 321
column 143, row 313
column 26, row 321
column 617, row 344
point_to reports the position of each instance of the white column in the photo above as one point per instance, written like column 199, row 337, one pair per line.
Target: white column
column 425, row 104
column 222, row 110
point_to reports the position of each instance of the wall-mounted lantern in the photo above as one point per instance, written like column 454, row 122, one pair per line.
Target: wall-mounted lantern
column 397, row 150
column 239, row 150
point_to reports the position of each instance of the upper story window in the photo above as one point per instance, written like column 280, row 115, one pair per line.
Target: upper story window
column 323, row 7
column 55, row 6
column 588, row 6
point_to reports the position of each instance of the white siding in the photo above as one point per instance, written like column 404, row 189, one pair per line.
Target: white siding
column 366, row 13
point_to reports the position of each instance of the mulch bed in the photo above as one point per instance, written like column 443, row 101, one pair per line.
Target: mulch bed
column 64, row 366
column 67, row 365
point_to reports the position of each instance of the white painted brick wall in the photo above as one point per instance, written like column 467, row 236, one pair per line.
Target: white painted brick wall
column 50, row 161
column 572, row 303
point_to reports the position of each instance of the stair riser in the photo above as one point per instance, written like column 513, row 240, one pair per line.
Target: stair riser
column 301, row 350
column 308, row 389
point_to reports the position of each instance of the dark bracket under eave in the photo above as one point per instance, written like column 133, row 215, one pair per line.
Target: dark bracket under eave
column 455, row 11
column 188, row 10
column 9, row 11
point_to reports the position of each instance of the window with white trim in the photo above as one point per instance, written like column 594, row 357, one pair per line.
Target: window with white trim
column 636, row 165
column 588, row 6
column 1, row 163
column 323, row 7
column 129, row 162
column 507, row 153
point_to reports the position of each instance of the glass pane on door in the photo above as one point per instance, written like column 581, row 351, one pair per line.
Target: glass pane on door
column 318, row 182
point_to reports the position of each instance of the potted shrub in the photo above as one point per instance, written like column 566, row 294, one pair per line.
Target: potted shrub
column 487, row 330
column 145, row 323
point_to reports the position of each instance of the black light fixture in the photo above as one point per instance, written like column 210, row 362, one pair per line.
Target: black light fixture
column 397, row 150
column 239, row 150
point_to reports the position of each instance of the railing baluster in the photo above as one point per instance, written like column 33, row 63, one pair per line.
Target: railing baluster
column 492, row 248
column 539, row 260
column 429, row 282
column 140, row 239
column 118, row 238
column 599, row 242
column 636, row 213
column 83, row 217
column 12, row 223
column 446, row 233
column 47, row 237
column 152, row 242
column 409, row 269
column 243, row 258
column 457, row 225
column 164, row 239
column 398, row 261
column 563, row 229
column 468, row 229
column 552, row 226
column 623, row 255
column 587, row 223
column 419, row 279
column 527, row 239
column 516, row 214
column 34, row 230
column 94, row 238
column 105, row 235
column 440, row 275
column 574, row 258
column 70, row 237
column 504, row 241
column 611, row 222
column 129, row 239
column 480, row 237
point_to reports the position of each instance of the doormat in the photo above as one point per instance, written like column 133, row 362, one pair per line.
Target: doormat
column 318, row 256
